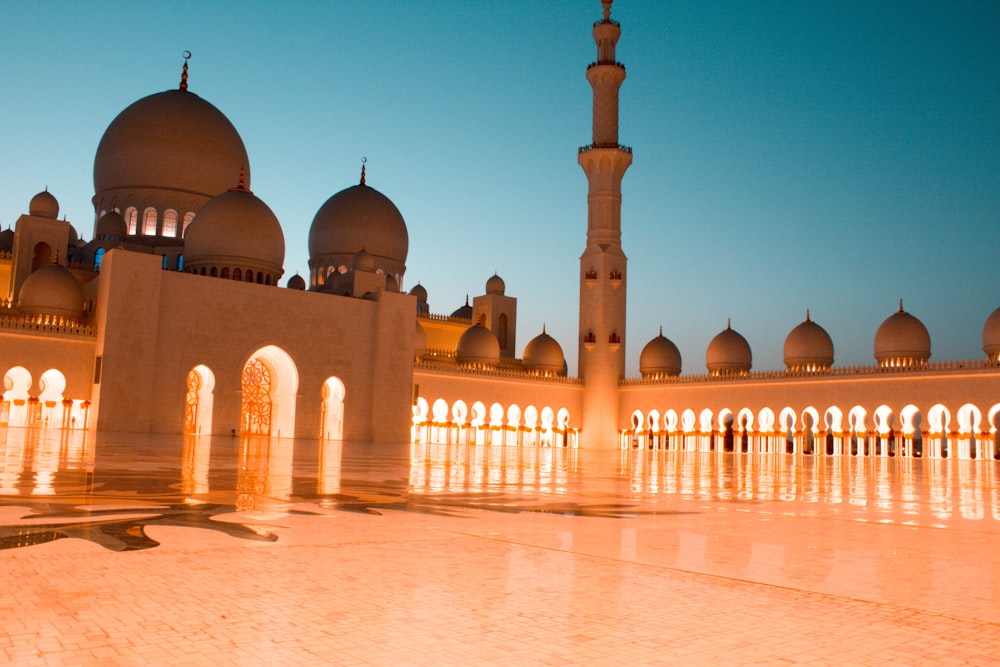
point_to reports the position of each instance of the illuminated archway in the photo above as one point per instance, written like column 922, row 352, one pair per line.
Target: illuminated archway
column 52, row 383
column 14, row 411
column 198, row 401
column 332, row 409
column 269, row 383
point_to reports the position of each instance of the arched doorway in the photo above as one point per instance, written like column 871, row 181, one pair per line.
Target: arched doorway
column 198, row 401
column 52, row 383
column 332, row 410
column 269, row 382
column 14, row 410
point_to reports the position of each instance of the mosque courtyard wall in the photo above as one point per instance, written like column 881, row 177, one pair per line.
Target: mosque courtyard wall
column 951, row 402
column 156, row 326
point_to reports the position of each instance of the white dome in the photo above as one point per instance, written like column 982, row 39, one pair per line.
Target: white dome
column 660, row 357
column 808, row 347
column 167, row 147
column 728, row 354
column 52, row 290
column 359, row 218
column 495, row 285
column 543, row 354
column 478, row 347
column 236, row 230
column 902, row 340
column 44, row 205
column 991, row 335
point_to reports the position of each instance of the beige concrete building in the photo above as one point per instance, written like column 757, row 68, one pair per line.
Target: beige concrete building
column 173, row 318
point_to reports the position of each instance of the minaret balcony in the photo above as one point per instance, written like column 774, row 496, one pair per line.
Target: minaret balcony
column 613, row 63
column 590, row 147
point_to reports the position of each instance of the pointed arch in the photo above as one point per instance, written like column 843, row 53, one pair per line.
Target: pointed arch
column 270, row 381
column 198, row 400
column 332, row 409
column 17, row 382
column 51, row 384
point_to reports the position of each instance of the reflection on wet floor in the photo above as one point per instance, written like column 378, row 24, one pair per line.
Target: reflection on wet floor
column 77, row 486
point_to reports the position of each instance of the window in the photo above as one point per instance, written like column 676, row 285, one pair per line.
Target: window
column 98, row 257
column 188, row 217
column 237, row 274
column 180, row 262
column 164, row 263
column 149, row 222
column 131, row 219
column 170, row 223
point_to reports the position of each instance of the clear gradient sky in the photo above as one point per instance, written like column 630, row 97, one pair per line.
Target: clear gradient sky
column 835, row 156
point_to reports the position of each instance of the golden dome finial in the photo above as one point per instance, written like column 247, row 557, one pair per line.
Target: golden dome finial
column 607, row 9
column 729, row 323
column 241, row 184
column 661, row 329
column 900, row 304
column 184, row 71
column 363, row 161
column 807, row 314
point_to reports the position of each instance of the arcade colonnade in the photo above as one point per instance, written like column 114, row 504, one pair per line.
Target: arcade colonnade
column 269, row 384
column 964, row 432
column 511, row 426
column 43, row 405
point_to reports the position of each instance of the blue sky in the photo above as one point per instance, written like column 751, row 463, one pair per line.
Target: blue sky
column 830, row 156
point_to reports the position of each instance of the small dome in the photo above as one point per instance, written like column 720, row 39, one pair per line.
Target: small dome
column 111, row 227
column 808, row 347
column 478, row 347
column 991, row 332
column 465, row 312
column 495, row 285
column 235, row 229
column 359, row 218
column 52, row 290
column 363, row 261
column 7, row 240
column 419, row 341
column 902, row 340
column 419, row 291
column 296, row 282
column 660, row 357
column 169, row 142
column 728, row 354
column 44, row 205
column 544, row 355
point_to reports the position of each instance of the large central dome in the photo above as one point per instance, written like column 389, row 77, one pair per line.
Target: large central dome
column 170, row 150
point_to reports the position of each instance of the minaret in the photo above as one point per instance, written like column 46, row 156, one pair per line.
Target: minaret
column 603, row 264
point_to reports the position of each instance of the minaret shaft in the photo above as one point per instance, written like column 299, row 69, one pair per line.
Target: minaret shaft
column 603, row 265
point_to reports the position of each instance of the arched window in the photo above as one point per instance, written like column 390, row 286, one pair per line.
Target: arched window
column 502, row 331
column 170, row 223
column 249, row 276
column 214, row 272
column 225, row 272
column 149, row 222
column 42, row 256
column 237, row 274
column 188, row 217
column 164, row 267
column 131, row 219
column 98, row 257
column 180, row 262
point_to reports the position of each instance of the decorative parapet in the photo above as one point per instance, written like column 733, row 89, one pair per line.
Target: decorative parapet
column 871, row 370
column 508, row 368
column 590, row 147
column 46, row 324
column 444, row 318
column 6, row 254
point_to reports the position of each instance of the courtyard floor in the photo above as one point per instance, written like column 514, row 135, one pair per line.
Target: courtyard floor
column 132, row 550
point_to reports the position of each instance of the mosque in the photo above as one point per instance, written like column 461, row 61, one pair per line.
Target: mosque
column 176, row 317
